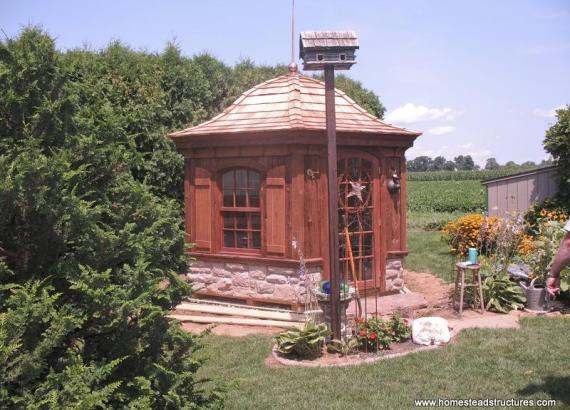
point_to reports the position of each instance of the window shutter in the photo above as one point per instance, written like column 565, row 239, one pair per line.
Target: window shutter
column 203, row 209
column 275, row 218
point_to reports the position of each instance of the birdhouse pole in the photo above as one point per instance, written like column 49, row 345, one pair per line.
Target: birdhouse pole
column 334, row 255
column 330, row 50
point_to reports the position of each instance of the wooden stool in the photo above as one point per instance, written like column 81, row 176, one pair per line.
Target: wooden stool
column 460, row 284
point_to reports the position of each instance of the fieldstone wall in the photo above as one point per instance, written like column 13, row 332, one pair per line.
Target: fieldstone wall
column 241, row 280
column 394, row 274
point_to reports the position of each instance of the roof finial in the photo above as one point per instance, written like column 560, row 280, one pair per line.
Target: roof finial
column 293, row 64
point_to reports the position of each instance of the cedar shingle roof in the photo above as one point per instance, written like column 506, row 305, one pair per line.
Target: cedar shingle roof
column 326, row 39
column 290, row 102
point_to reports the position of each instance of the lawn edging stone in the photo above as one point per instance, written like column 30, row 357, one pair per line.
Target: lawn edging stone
column 352, row 360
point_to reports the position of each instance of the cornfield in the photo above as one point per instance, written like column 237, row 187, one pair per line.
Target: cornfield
column 446, row 196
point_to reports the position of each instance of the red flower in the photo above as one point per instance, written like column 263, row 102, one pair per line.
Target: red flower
column 362, row 333
column 359, row 320
column 372, row 336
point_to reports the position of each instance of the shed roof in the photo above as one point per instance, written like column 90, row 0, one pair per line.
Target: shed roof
column 326, row 39
column 291, row 102
column 535, row 171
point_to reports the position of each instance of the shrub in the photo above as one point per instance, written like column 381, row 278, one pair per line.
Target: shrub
column 86, row 239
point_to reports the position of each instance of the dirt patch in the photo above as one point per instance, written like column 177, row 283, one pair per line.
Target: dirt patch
column 437, row 292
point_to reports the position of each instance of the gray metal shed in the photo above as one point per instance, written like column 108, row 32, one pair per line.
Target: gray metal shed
column 519, row 191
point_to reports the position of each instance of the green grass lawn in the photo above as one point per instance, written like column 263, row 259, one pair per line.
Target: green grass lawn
column 428, row 253
column 530, row 363
column 430, row 220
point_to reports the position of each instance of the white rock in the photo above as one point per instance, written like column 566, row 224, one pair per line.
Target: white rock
column 430, row 331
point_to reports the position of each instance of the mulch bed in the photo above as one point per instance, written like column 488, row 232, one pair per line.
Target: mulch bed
column 334, row 359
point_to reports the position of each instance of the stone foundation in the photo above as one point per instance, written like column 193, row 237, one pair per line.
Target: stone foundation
column 394, row 274
column 265, row 282
column 250, row 281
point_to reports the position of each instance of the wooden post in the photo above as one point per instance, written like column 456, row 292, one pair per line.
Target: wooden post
column 333, row 201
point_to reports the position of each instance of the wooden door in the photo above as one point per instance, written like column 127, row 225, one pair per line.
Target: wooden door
column 359, row 210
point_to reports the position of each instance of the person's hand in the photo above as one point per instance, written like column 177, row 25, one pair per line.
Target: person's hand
column 553, row 285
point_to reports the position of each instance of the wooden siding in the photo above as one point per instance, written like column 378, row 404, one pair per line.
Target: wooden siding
column 294, row 205
column 518, row 193
column 275, row 211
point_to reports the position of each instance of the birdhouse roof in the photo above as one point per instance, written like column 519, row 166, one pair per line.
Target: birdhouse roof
column 328, row 39
column 291, row 102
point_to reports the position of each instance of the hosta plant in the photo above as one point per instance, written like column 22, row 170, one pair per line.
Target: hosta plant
column 503, row 295
column 303, row 343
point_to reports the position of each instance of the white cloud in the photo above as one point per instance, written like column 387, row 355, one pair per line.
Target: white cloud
column 446, row 129
column 551, row 113
column 466, row 146
column 479, row 155
column 411, row 113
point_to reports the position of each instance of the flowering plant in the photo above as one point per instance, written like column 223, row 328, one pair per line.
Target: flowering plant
column 376, row 333
column 547, row 210
column 547, row 240
column 470, row 231
column 508, row 233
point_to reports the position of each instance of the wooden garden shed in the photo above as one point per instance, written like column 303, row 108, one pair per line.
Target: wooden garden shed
column 255, row 181
column 518, row 192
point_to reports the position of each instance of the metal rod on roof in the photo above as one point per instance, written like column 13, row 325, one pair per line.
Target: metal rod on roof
column 292, row 31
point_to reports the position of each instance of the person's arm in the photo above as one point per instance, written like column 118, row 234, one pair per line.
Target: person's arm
column 560, row 261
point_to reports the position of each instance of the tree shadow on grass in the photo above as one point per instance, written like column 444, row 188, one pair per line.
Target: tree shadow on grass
column 556, row 387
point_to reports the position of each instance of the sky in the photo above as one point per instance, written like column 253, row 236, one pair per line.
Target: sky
column 477, row 77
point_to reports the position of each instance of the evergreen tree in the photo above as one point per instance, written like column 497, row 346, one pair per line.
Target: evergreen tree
column 89, row 253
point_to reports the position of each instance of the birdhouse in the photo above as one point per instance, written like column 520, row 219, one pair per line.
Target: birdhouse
column 320, row 48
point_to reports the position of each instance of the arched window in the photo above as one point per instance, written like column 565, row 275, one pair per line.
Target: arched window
column 241, row 212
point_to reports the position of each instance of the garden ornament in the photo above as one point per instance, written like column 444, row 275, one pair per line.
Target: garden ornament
column 356, row 190
column 394, row 183
column 430, row 331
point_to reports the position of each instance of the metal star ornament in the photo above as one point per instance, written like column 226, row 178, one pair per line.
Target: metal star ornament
column 356, row 190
